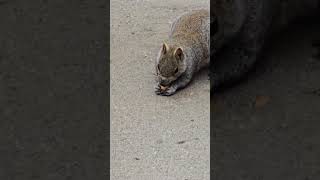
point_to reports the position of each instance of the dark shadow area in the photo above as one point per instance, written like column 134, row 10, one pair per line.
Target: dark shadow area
column 267, row 126
column 53, row 90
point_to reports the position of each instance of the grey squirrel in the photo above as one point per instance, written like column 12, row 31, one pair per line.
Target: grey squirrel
column 239, row 31
column 184, row 53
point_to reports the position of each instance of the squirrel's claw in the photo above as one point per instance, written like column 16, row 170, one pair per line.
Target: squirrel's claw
column 158, row 90
column 167, row 92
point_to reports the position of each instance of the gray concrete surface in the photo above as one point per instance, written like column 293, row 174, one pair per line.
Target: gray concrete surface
column 267, row 127
column 154, row 137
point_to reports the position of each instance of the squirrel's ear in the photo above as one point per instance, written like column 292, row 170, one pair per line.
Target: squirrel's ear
column 165, row 48
column 178, row 53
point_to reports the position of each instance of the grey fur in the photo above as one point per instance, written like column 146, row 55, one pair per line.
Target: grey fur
column 191, row 33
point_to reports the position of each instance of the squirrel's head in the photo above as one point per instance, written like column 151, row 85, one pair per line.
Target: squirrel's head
column 170, row 64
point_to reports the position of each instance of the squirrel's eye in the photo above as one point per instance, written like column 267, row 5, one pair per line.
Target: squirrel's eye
column 176, row 71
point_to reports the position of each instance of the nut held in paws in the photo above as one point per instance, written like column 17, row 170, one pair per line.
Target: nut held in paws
column 163, row 88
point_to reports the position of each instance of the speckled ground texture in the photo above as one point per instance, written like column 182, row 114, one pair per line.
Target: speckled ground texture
column 154, row 137
column 267, row 127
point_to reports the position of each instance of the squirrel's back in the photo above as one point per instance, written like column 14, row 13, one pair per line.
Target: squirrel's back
column 192, row 29
column 196, row 21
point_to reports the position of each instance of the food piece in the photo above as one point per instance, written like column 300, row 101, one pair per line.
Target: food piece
column 163, row 88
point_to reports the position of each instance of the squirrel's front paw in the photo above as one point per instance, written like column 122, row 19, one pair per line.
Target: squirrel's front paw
column 165, row 91
column 157, row 89
column 169, row 91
